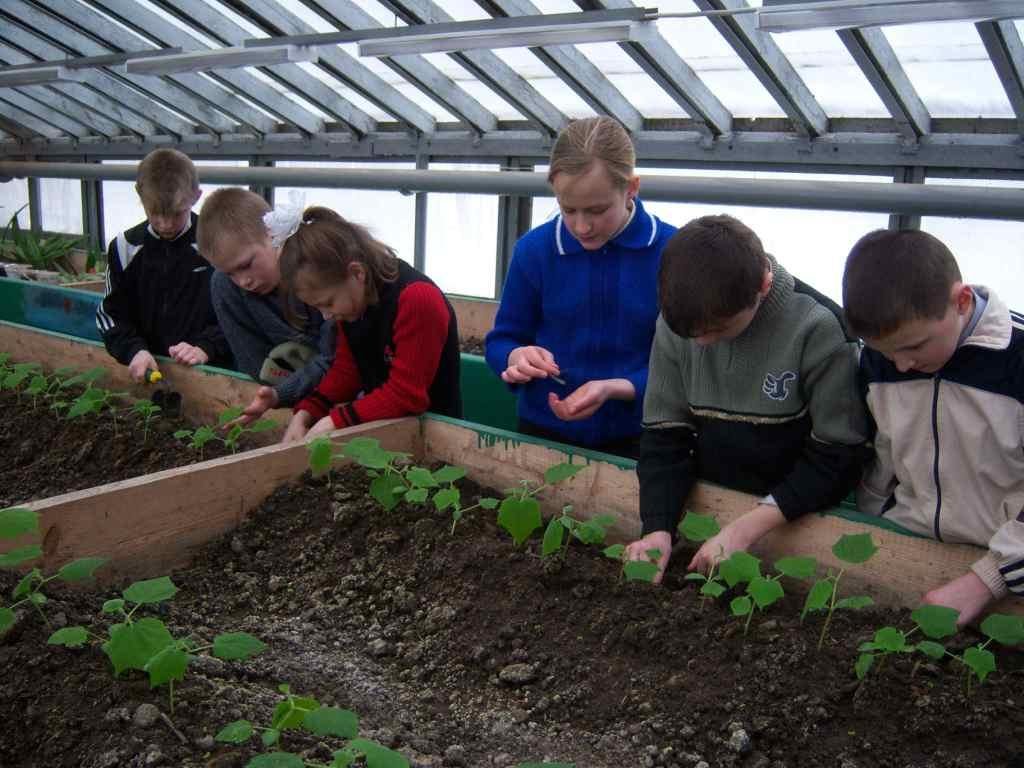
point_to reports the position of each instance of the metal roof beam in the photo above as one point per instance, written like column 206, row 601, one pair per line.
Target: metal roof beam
column 880, row 65
column 416, row 69
column 220, row 26
column 27, row 120
column 769, row 64
column 45, row 113
column 1004, row 47
column 659, row 60
column 346, row 67
column 488, row 68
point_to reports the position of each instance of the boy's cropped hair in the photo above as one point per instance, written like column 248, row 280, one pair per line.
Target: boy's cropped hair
column 895, row 277
column 166, row 181
column 231, row 212
column 711, row 270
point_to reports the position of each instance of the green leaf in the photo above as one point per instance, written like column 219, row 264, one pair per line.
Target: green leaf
column 151, row 591
column 132, row 645
column 560, row 472
column 262, row 425
column 1007, row 630
column 695, row 577
column 37, row 598
column 854, row 548
column 448, row 474
column 233, row 646
column 320, row 455
column 593, row 531
column 980, row 661
column 932, row 649
column 343, row 758
column 6, row 619
column 26, row 584
column 855, row 603
column 229, row 414
column 382, row 489
column 16, row 521
column 936, row 621
column 419, row 477
column 366, row 452
column 377, row 755
column 797, row 567
column 70, row 637
column 446, row 497
column 520, row 517
column 20, row 555
column 818, row 597
column 696, row 527
column 615, row 551
column 553, row 537
column 167, row 665
column 764, row 591
column 891, row 640
column 488, row 503
column 181, row 434
column 740, row 567
column 270, row 737
column 237, row 732
column 81, row 569
column 292, row 711
column 332, row 721
column 712, row 589
column 864, row 663
column 741, row 606
column 113, row 606
column 276, row 760
column 638, row 570
column 416, row 495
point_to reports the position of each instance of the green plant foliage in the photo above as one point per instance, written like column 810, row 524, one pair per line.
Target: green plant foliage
column 855, row 548
column 936, row 621
column 823, row 596
column 1006, row 630
column 71, row 637
column 520, row 517
column 797, row 567
column 740, row 568
column 17, row 521
column 696, row 527
column 26, row 247
column 237, row 732
column 147, row 411
column 332, row 721
column 560, row 472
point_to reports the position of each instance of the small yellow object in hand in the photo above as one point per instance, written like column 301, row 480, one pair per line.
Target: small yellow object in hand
column 152, row 377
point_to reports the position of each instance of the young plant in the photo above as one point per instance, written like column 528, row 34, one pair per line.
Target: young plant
column 935, row 621
column 43, row 386
column 763, row 591
column 86, row 378
column 635, row 570
column 307, row 714
column 14, row 523
column 197, row 438
column 147, row 410
column 93, row 401
column 563, row 529
column 16, row 375
column 147, row 645
column 699, row 528
column 519, row 511
column 850, row 548
column 230, row 439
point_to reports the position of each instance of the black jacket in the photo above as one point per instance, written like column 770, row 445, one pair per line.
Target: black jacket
column 158, row 295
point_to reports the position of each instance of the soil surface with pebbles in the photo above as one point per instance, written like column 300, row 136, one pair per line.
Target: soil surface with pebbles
column 462, row 650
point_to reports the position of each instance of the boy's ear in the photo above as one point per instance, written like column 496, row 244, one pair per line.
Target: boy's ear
column 766, row 283
column 633, row 187
column 357, row 270
column 962, row 297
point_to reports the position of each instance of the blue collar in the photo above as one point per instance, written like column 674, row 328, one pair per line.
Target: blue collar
column 640, row 233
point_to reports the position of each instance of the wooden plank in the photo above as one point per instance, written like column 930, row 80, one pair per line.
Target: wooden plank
column 475, row 316
column 95, row 286
column 904, row 568
column 149, row 525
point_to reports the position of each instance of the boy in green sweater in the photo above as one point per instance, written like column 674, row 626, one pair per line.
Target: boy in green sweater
column 752, row 385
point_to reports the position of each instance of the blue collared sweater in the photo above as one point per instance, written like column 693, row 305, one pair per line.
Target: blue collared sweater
column 594, row 310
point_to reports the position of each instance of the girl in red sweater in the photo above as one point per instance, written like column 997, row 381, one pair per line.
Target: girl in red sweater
column 398, row 341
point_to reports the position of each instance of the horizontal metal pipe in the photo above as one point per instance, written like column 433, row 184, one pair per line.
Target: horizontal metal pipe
column 919, row 199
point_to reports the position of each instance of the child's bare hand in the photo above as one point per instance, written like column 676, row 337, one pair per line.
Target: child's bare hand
column 967, row 594
column 263, row 401
column 528, row 363
column 741, row 533
column 187, row 354
column 323, row 427
column 587, row 399
column 660, row 540
column 297, row 427
column 142, row 362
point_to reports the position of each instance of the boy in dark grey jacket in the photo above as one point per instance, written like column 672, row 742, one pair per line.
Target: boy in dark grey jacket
column 752, row 385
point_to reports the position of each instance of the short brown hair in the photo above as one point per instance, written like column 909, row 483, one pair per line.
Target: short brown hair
column 711, row 270
column 894, row 277
column 326, row 244
column 230, row 213
column 166, row 180
column 583, row 142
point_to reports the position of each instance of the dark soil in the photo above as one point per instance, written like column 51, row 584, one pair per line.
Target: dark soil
column 44, row 456
column 465, row 651
column 473, row 345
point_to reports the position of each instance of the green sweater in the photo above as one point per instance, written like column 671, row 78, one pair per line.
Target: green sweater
column 776, row 410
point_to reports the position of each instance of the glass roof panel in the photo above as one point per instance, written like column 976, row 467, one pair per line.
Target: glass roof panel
column 635, row 84
column 345, row 91
column 948, row 65
column 462, row 77
column 553, row 88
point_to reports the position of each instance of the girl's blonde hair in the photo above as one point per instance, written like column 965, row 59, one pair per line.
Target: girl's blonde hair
column 326, row 244
column 584, row 142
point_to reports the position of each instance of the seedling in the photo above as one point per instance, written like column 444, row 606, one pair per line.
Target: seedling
column 306, row 713
column 850, row 548
column 17, row 374
column 94, row 400
column 147, row 645
column 197, row 438
column 764, row 591
column 230, row 440
column 14, row 523
column 44, row 386
column 700, row 528
column 935, row 621
column 635, row 570
column 147, row 410
column 519, row 511
column 563, row 529
column 88, row 378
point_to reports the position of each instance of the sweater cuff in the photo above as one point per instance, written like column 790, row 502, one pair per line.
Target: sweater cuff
column 345, row 415
column 987, row 569
column 316, row 405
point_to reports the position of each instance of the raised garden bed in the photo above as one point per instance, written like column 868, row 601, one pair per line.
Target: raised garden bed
column 466, row 650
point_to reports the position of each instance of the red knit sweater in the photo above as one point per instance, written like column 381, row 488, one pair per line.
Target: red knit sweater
column 419, row 332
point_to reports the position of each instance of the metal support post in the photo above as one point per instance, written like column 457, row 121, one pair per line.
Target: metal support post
column 419, row 249
column 910, row 174
column 514, row 219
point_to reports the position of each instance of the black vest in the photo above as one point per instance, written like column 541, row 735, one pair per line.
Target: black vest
column 371, row 339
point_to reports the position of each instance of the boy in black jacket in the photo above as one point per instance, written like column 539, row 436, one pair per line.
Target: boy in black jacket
column 157, row 300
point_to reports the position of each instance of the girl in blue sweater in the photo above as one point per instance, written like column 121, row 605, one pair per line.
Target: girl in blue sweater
column 574, row 329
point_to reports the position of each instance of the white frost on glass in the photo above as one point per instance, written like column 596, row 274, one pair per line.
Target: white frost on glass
column 13, row 195
column 62, row 205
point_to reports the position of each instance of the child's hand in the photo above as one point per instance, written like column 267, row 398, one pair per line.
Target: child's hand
column 186, row 354
column 660, row 540
column 967, row 594
column 527, row 363
column 584, row 402
column 142, row 362
column 322, row 427
column 297, row 427
column 265, row 399
column 741, row 533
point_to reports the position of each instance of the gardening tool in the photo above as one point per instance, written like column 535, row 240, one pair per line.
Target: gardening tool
column 168, row 400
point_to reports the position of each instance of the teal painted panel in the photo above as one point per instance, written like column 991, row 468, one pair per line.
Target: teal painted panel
column 50, row 307
column 485, row 398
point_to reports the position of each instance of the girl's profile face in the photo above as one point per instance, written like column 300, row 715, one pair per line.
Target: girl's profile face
column 593, row 207
column 343, row 302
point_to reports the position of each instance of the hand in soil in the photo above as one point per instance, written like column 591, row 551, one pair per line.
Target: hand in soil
column 659, row 540
column 265, row 399
column 142, row 362
column 967, row 594
column 297, row 427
